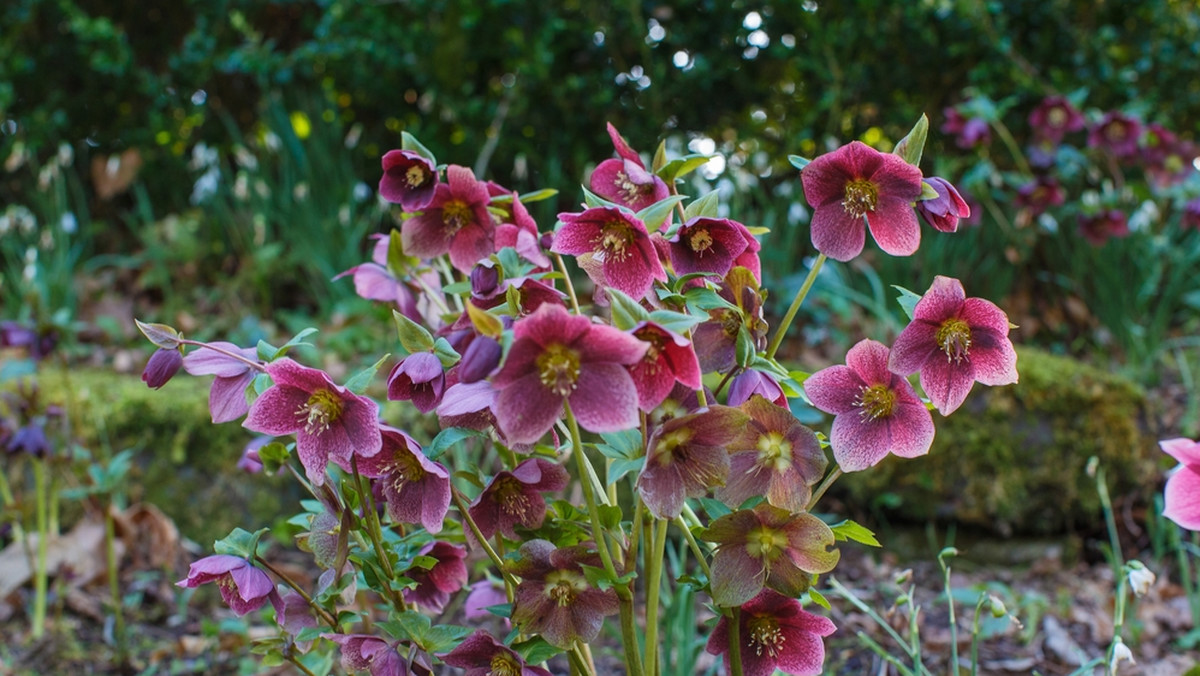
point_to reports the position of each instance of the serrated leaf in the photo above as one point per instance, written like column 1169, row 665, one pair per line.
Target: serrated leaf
column 679, row 322
column 907, row 299
column 682, row 166
column 443, row 637
column 706, row 207
column 265, row 350
column 927, row 192
column 413, row 337
column 626, row 312
column 591, row 199
column 798, row 162
column 447, row 438
column 423, row 562
column 359, row 382
column 714, row 508
column 485, row 323
column 912, row 146
column 536, row 650
column 656, row 214
column 295, row 341
column 240, row 542
column 410, row 142
column 704, row 298
column 161, row 335
column 610, row 516
column 849, row 530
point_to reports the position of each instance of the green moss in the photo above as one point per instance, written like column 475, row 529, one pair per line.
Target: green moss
column 1014, row 458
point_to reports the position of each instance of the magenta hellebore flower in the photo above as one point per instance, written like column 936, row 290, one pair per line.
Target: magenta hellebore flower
column 417, row 489
column 418, row 378
column 515, row 497
column 1117, row 133
column 876, row 412
column 767, row 546
column 706, row 245
column 774, row 456
column 970, row 132
column 1100, row 227
column 161, row 367
column 954, row 341
column 363, row 652
column 619, row 241
column 1040, row 194
column 752, row 382
column 482, row 655
column 455, row 221
column 669, row 359
column 437, row 583
column 686, row 457
column 329, row 421
column 625, row 180
column 558, row 358
column 1181, row 496
column 943, row 211
column 776, row 633
column 373, row 280
column 1054, row 118
column 484, row 594
column 243, row 587
column 856, row 182
column 554, row 598
column 409, row 179
column 227, row 398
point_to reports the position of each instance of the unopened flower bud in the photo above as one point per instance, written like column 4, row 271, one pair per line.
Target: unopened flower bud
column 996, row 606
column 484, row 279
column 481, row 358
column 163, row 366
column 1141, row 578
column 902, row 576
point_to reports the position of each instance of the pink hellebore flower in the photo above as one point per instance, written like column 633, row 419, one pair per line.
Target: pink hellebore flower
column 243, row 587
column 520, row 232
column 418, row 378
column 557, row 358
column 455, row 221
column 1117, row 133
column 436, row 584
column 409, row 179
column 329, row 421
column 776, row 633
column 1054, row 118
column 1040, row 194
column 363, row 652
column 482, row 655
column 417, row 489
column 944, row 211
column 686, row 457
column 775, row 457
column 227, row 398
column 669, row 359
column 619, row 241
column 483, row 595
column 876, row 412
column 954, row 341
column 554, row 598
column 970, row 132
column 515, row 497
column 1182, row 494
column 706, row 245
column 856, row 182
column 625, row 180
column 1103, row 226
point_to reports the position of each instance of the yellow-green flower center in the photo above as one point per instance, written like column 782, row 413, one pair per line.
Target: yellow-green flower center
column 455, row 214
column 322, row 409
column 1115, row 131
column 1057, row 117
column 558, row 369
column 766, row 543
column 403, row 468
column 415, row 176
column 616, row 239
column 503, row 665
column 700, row 240
column 563, row 586
column 876, row 401
column 861, row 197
column 672, row 446
column 954, row 338
column 765, row 636
column 774, row 452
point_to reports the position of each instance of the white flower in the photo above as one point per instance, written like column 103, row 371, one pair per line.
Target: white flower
column 1141, row 578
column 1120, row 653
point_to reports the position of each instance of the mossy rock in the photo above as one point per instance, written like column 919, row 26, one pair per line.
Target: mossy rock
column 1014, row 458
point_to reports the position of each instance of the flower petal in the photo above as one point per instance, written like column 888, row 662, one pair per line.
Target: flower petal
column 838, row 234
column 605, row 398
column 947, row 383
column 942, row 301
column 858, row 442
column 869, row 359
column 527, row 409
column 737, row 577
column 1185, row 451
column 994, row 361
column 274, row 412
column 895, row 227
column 911, row 429
column 980, row 313
column 835, row 389
column 1182, row 498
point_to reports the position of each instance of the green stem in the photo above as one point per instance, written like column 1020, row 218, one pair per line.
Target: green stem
column 40, row 572
column 1114, row 540
column 585, row 482
column 562, row 265
column 695, row 547
column 795, row 307
column 816, row 496
column 375, row 534
column 953, row 621
column 1013, row 147
column 325, row 615
column 466, row 516
column 296, row 663
column 654, row 568
column 735, row 641
column 114, row 587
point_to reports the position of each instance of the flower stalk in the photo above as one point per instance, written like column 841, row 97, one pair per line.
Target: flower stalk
column 790, row 315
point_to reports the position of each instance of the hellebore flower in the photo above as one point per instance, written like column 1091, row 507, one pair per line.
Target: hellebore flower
column 515, row 497
column 750, row 382
column 1040, row 194
column 328, row 420
column 1101, row 227
column 243, row 587
column 559, row 358
column 774, row 456
column 409, row 179
column 767, row 546
column 686, row 457
column 954, row 341
column 363, row 652
column 876, row 412
column 518, row 229
column 1181, row 497
column 294, row 616
column 162, row 366
column 944, row 211
column 480, row 358
column 1117, row 133
column 250, row 463
column 417, row 489
column 706, row 245
column 436, row 584
column 227, row 398
column 715, row 340
column 483, row 595
column 455, row 221
column 418, row 378
column 619, row 241
column 625, row 180
column 856, row 182
column 1191, row 214
column 1157, row 144
column 482, row 655
column 668, row 360
column 776, row 633
column 969, row 132
column 554, row 598
column 1054, row 118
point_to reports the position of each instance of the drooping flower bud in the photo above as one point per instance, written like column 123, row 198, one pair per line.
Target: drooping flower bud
column 162, row 366
column 480, row 359
column 484, row 279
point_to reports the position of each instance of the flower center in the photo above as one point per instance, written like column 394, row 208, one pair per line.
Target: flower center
column 403, row 469
column 628, row 189
column 876, row 401
column 503, row 665
column 455, row 214
column 861, row 197
column 765, row 543
column 672, row 446
column 656, row 344
column 322, row 409
column 512, row 499
column 954, row 338
column 616, row 239
column 1115, row 132
column 765, row 636
column 700, row 240
column 1057, row 117
column 558, row 369
column 563, row 587
column 415, row 176
column 774, row 452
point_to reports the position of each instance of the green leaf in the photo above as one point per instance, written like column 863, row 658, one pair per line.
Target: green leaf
column 912, row 146
column 623, row 466
column 407, row 626
column 395, row 253
column 485, row 323
column 626, row 312
column 161, row 335
column 818, row 598
column 273, row 457
column 623, row 444
column 239, row 543
column 536, row 650
column 410, row 142
column 744, row 347
column 423, row 562
column 849, row 530
column 266, row 351
column 798, row 162
column 714, row 508
column 655, row 214
column 359, row 382
column 591, row 199
column 414, row 337
column 907, row 299
column 682, row 166
column 660, row 157
column 679, row 322
column 445, row 354
column 610, row 516
column 704, row 298
column 443, row 637
column 927, row 192
column 447, row 438
column 705, row 207
column 538, row 195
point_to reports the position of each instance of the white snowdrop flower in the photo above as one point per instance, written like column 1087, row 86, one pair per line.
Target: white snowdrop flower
column 361, row 191
column 300, row 192
column 68, row 223
column 1141, row 578
column 1120, row 653
column 66, row 154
